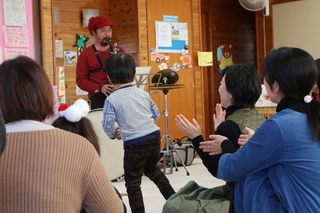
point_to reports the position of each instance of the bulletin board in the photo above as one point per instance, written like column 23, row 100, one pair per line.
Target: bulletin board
column 16, row 24
column 171, row 37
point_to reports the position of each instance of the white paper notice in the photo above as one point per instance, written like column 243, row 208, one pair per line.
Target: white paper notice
column 163, row 34
column 12, row 53
column 16, row 37
column 14, row 13
column 59, row 48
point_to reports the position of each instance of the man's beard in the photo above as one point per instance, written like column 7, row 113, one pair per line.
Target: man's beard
column 105, row 41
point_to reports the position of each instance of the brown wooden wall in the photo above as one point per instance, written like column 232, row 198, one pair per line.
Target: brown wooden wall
column 188, row 99
column 46, row 14
column 124, row 14
column 226, row 22
column 212, row 23
column 131, row 31
column 70, row 24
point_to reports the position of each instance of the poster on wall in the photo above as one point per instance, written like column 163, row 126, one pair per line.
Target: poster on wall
column 205, row 59
column 12, row 53
column 171, row 37
column 16, row 37
column 70, row 58
column 14, row 13
column 61, row 82
column 59, row 48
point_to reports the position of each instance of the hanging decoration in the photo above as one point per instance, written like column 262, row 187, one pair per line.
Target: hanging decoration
column 81, row 40
column 224, row 55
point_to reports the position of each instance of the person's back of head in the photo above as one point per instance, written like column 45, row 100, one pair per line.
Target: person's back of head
column 25, row 90
column 295, row 72
column 243, row 83
column 73, row 119
column 121, row 68
column 293, row 69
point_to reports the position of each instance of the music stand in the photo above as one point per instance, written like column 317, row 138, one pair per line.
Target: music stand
column 168, row 153
column 142, row 75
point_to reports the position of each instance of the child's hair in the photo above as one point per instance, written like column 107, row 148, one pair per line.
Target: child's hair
column 73, row 119
column 243, row 83
column 120, row 68
column 295, row 71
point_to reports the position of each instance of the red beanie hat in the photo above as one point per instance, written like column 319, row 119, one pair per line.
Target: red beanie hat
column 97, row 22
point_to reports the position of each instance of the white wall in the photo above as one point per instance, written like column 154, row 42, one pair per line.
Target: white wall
column 297, row 24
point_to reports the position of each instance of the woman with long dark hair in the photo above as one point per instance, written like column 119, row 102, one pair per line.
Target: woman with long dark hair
column 277, row 170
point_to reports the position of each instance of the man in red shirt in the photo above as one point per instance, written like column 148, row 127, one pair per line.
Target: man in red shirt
column 90, row 75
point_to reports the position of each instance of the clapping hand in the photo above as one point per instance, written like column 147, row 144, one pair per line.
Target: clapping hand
column 192, row 130
column 213, row 146
column 244, row 138
column 219, row 116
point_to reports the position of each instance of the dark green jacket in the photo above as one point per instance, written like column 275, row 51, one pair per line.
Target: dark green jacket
column 247, row 117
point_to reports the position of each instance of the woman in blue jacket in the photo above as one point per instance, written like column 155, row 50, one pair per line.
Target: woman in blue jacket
column 278, row 169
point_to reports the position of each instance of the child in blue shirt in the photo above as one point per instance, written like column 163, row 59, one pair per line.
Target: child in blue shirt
column 135, row 113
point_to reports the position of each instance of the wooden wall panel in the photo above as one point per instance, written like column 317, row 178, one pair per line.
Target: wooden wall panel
column 199, row 78
column 47, row 38
column 143, row 33
column 70, row 24
column 227, row 23
column 183, row 100
column 124, row 14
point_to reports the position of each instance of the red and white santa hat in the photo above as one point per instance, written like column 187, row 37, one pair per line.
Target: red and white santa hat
column 75, row 112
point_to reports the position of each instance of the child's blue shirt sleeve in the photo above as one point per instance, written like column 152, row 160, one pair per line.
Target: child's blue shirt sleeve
column 109, row 119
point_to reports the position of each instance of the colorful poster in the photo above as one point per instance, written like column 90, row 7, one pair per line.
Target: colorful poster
column 61, row 81
column 70, row 58
column 171, row 37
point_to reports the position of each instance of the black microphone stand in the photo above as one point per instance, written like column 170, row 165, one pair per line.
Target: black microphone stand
column 170, row 147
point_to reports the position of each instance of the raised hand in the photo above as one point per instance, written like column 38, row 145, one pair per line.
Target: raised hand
column 244, row 138
column 213, row 146
column 192, row 130
column 219, row 116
